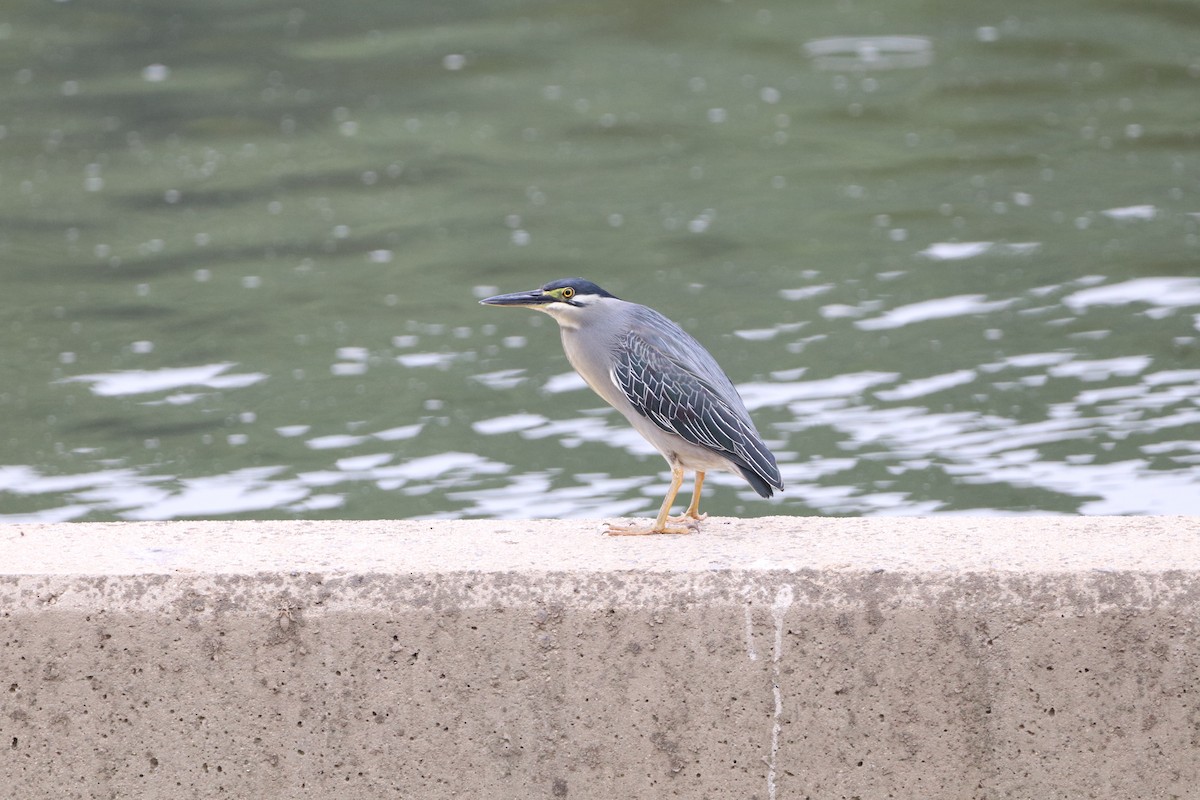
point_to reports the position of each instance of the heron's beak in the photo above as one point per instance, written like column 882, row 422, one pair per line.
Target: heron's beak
column 530, row 299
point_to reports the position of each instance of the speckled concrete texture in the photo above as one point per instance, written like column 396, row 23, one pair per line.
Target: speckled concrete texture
column 773, row 658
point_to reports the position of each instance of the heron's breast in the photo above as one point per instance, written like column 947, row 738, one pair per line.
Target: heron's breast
column 595, row 367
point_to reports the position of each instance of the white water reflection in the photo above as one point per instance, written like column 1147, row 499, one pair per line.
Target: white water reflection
column 1143, row 212
column 565, row 382
column 508, row 424
column 1165, row 292
column 923, row 386
column 399, row 433
column 239, row 492
column 1100, row 369
column 134, row 495
column 595, row 429
column 1087, row 427
column 941, row 308
column 1027, row 361
column 363, row 463
column 1125, row 487
column 969, row 447
column 534, row 495
column 980, row 448
column 858, row 53
column 436, row 360
column 144, row 381
column 762, row 395
column 24, row 480
column 955, row 251
column 766, row 334
column 501, row 379
column 805, row 292
column 177, row 399
column 293, row 430
column 335, row 441
column 958, row 251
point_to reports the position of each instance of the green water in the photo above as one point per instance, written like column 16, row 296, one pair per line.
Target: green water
column 952, row 259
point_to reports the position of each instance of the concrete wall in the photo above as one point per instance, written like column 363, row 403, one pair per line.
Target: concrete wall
column 771, row 658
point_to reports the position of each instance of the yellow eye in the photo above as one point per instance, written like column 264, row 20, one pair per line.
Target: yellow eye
column 568, row 293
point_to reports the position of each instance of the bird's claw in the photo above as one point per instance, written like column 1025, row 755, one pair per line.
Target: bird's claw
column 632, row 530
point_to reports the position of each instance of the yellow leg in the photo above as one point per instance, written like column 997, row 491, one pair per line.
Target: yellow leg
column 660, row 524
column 693, row 512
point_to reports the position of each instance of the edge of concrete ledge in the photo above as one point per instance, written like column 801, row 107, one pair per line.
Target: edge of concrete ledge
column 1039, row 545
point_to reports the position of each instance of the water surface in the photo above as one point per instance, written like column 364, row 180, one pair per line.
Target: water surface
column 948, row 252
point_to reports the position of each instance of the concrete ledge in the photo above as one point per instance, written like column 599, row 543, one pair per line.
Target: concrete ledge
column 771, row 658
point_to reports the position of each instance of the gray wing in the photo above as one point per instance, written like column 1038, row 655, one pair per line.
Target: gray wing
column 686, row 398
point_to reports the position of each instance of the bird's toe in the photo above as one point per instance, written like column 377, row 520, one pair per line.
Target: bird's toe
column 649, row 530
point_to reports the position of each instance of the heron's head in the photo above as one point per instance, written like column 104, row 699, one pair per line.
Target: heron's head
column 568, row 300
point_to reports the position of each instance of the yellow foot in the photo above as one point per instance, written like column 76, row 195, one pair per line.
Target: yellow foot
column 690, row 519
column 631, row 530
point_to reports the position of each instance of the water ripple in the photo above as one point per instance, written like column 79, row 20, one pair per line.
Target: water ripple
column 144, row 381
